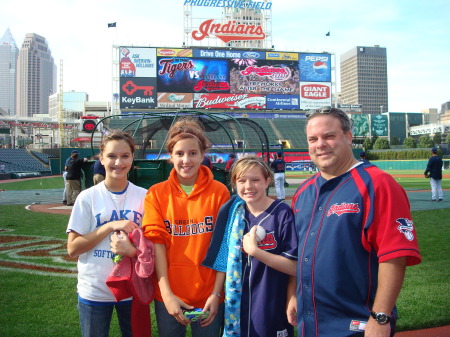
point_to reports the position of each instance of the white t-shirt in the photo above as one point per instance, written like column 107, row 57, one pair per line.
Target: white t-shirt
column 93, row 208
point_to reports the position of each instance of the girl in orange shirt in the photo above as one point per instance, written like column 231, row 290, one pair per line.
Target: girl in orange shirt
column 180, row 215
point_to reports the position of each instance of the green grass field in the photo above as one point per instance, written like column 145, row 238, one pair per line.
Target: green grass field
column 35, row 302
column 34, row 184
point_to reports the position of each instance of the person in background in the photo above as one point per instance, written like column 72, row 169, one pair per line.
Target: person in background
column 434, row 172
column 356, row 237
column 102, row 217
column 230, row 161
column 180, row 215
column 207, row 162
column 73, row 184
column 279, row 168
column 64, row 175
column 362, row 157
column 258, row 276
column 99, row 172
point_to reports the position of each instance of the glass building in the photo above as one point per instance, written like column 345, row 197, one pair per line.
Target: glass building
column 8, row 62
column 36, row 77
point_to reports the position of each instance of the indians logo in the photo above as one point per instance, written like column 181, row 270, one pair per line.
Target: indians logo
column 269, row 242
column 343, row 208
column 406, row 227
column 320, row 67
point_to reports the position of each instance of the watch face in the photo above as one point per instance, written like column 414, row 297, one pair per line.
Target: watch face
column 381, row 318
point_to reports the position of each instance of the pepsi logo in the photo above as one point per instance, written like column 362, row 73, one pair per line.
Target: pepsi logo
column 320, row 67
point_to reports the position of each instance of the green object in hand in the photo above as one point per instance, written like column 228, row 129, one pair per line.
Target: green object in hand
column 117, row 258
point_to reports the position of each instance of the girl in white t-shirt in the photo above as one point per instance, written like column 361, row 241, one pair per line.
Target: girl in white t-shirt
column 98, row 226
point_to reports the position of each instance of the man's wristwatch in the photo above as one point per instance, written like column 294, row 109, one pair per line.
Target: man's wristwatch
column 380, row 317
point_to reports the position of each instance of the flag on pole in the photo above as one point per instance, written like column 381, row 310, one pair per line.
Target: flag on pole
column 111, row 25
column 327, row 34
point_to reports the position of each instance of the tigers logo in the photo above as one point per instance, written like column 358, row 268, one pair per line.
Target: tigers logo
column 406, row 227
column 343, row 208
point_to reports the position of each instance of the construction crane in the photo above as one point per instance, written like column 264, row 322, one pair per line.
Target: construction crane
column 60, row 104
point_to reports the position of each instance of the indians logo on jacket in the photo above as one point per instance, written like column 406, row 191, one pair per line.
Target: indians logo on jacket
column 343, row 208
column 269, row 242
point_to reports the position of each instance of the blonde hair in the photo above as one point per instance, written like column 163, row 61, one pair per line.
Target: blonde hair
column 185, row 128
column 245, row 164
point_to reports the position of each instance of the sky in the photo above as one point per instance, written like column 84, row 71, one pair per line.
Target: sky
column 415, row 33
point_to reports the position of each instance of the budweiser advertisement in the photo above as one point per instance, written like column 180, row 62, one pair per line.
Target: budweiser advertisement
column 204, row 78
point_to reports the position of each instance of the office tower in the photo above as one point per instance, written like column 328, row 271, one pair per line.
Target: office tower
column 36, row 77
column 73, row 105
column 364, row 79
column 8, row 61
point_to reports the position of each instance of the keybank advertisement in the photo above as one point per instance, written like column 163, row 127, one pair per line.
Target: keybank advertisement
column 137, row 93
column 137, row 62
column 315, row 67
column 182, row 74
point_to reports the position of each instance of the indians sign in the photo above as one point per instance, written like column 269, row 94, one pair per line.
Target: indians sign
column 230, row 31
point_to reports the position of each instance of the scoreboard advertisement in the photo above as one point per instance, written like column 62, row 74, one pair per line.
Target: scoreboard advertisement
column 179, row 78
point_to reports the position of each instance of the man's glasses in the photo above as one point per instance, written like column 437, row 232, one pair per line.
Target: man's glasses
column 326, row 110
column 347, row 123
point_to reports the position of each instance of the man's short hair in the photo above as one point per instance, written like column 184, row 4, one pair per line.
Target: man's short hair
column 346, row 123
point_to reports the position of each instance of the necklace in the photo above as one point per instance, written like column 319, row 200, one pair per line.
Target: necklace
column 114, row 203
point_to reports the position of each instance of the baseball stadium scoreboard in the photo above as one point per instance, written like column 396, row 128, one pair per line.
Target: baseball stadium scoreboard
column 221, row 78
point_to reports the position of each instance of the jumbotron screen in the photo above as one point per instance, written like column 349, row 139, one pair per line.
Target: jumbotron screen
column 171, row 78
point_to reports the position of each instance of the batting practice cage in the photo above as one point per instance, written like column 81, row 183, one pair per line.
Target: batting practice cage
column 150, row 131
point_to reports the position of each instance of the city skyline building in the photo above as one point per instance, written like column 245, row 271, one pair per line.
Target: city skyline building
column 36, row 77
column 73, row 104
column 8, row 65
column 364, row 79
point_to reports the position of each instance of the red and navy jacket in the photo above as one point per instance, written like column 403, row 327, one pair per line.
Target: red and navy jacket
column 346, row 226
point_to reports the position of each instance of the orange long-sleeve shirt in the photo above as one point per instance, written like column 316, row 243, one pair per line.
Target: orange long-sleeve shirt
column 184, row 224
